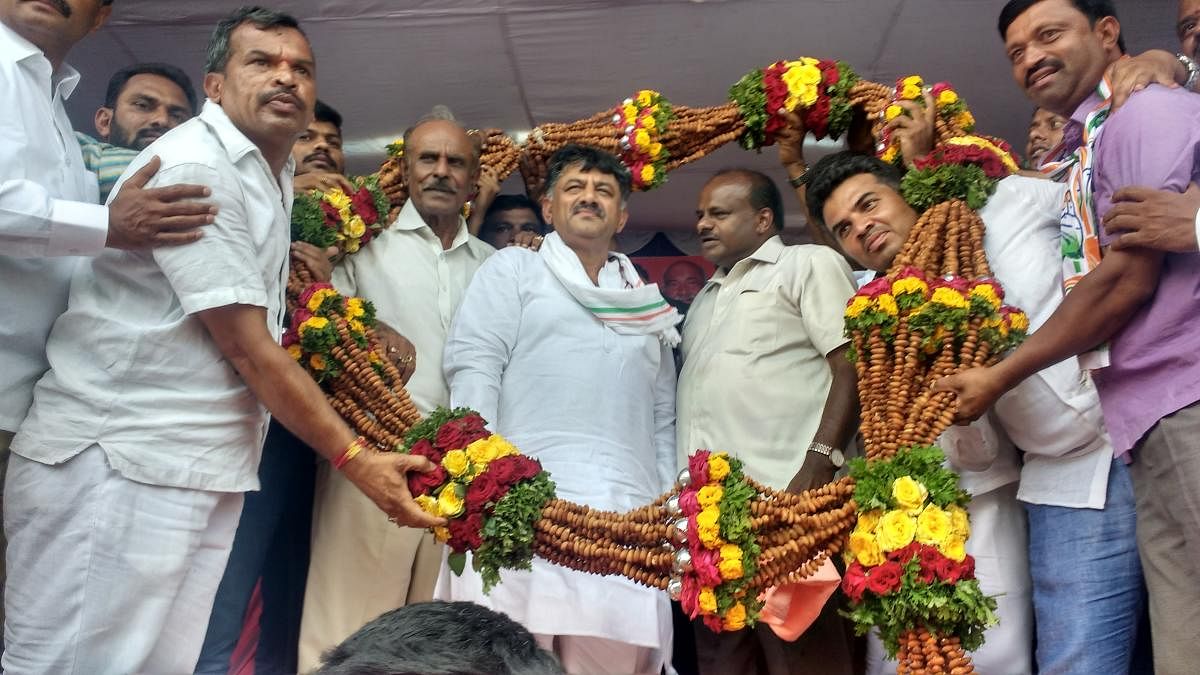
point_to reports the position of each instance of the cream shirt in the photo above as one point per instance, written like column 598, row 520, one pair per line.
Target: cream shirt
column 48, row 207
column 132, row 368
column 416, row 287
column 754, row 378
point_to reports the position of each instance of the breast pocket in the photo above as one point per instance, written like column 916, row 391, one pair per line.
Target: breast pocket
column 756, row 311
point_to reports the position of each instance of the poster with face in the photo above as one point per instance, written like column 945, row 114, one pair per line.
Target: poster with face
column 679, row 278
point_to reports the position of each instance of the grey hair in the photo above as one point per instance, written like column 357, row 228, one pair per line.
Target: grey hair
column 441, row 113
column 217, row 56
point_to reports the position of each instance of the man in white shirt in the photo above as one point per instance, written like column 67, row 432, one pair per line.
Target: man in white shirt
column 126, row 477
column 765, row 377
column 1079, row 501
column 525, row 335
column 415, row 272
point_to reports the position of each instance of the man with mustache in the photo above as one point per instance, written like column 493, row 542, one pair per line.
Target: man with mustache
column 320, row 162
column 143, row 101
column 525, row 334
column 1139, row 301
column 415, row 272
column 127, row 476
column 1045, row 133
column 769, row 319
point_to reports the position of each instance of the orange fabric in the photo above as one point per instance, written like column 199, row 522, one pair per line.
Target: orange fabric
column 789, row 610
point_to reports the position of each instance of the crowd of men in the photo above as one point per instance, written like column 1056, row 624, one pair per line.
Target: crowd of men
column 166, row 457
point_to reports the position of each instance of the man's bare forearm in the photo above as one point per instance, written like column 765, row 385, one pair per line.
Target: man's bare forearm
column 839, row 418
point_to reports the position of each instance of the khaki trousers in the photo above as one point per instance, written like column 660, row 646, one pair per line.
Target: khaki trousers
column 362, row 566
column 1166, row 481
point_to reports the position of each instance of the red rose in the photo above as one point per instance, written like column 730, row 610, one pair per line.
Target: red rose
column 450, row 437
column 363, row 203
column 903, row 555
column 332, row 217
column 509, row 470
column 473, row 423
column 832, row 74
column 885, row 578
column 948, row 571
column 425, row 483
column 465, row 532
column 484, row 490
column 966, row 569
column 854, row 582
column 425, row 449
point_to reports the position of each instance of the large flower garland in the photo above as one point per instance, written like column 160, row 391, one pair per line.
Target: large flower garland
column 820, row 89
column 642, row 120
column 313, row 336
column 721, row 555
column 348, row 221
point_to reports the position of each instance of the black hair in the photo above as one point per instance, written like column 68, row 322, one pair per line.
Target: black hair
column 833, row 170
column 116, row 83
column 440, row 638
column 1094, row 10
column 504, row 203
column 217, row 56
column 325, row 113
column 588, row 158
column 764, row 194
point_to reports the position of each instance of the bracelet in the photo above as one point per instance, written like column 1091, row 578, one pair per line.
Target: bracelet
column 356, row 446
column 1193, row 70
column 797, row 181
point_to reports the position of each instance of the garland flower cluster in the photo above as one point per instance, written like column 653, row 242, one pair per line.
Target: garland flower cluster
column 642, row 120
column 906, row 560
column 490, row 494
column 964, row 167
column 313, row 336
column 950, row 108
column 818, row 89
column 721, row 553
column 335, row 218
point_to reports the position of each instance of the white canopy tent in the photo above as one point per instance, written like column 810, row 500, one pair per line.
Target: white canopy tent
column 514, row 64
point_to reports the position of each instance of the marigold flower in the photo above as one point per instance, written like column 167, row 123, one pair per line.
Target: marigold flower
column 934, row 526
column 988, row 293
column 1019, row 321
column 909, row 494
column 735, row 618
column 648, row 173
column 354, row 308
column 718, row 467
column 456, row 462
column 948, row 297
column 318, row 298
column 645, row 97
column 907, row 285
column 707, row 600
column 892, row 112
column 731, row 568
column 317, row 362
column 708, row 528
column 947, row 97
column 887, row 304
column 295, row 352
column 710, row 496
column 858, row 304
column 896, row 530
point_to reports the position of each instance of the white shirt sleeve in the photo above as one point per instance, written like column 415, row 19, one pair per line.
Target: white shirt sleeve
column 664, row 419
column 482, row 337
column 35, row 225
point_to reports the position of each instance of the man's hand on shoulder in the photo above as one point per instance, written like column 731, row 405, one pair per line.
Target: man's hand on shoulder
column 1131, row 74
column 141, row 217
column 323, row 181
column 1156, row 219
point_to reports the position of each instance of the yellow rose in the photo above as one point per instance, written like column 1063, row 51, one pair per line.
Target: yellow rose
column 892, row 112
column 355, row 227
column 429, row 505
column 441, row 534
column 857, row 306
column 630, row 113
column 648, row 122
column 887, row 304
column 503, row 447
column 317, row 362
column 909, row 494
column 948, row 297
column 449, row 503
column 707, row 600
column 481, row 452
column 644, row 97
column 947, row 97
column 345, row 214
column 896, row 530
column 338, row 199
column 708, row 528
column 869, row 520
column 965, row 120
column 354, row 308
column 456, row 463
column 718, row 466
column 656, row 150
column 735, row 618
column 959, row 522
column 641, row 139
column 954, row 548
column 910, row 92
column 710, row 496
column 934, row 525
column 648, row 173
column 295, row 352
column 912, row 81
column 864, row 548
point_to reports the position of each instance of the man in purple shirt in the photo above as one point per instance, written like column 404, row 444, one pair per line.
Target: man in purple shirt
column 1141, row 301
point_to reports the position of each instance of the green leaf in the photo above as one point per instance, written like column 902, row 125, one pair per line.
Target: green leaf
column 457, row 562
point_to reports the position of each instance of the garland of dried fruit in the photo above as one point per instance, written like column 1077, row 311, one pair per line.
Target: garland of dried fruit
column 729, row 537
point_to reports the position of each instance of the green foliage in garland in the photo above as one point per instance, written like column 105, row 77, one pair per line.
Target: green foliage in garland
column 508, row 534
column 925, row 187
column 925, row 464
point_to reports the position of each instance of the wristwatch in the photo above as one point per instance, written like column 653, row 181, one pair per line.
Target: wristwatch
column 797, row 181
column 834, row 454
column 1193, row 71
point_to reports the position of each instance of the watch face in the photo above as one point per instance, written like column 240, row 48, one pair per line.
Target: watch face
column 837, row 458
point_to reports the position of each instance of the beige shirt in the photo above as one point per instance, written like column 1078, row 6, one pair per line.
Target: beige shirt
column 754, row 377
column 416, row 287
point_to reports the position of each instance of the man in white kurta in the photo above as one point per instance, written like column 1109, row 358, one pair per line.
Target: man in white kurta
column 593, row 402
column 362, row 565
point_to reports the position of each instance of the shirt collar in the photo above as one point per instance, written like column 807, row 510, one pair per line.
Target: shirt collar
column 410, row 219
column 1073, row 131
column 17, row 48
column 236, row 143
column 768, row 252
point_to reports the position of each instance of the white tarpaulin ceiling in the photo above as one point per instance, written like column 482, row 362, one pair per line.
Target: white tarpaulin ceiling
column 514, row 64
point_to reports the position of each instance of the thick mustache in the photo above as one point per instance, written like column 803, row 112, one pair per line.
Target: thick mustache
column 1048, row 62
column 274, row 94
column 321, row 156
column 62, row 7
column 594, row 208
column 440, row 185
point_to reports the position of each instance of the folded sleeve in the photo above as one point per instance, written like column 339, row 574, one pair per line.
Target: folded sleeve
column 821, row 287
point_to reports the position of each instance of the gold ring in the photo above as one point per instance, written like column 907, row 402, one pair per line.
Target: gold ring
column 407, row 359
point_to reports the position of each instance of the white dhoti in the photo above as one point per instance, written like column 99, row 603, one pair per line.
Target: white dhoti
column 106, row 575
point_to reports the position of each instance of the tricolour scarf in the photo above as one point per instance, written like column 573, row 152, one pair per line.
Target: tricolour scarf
column 636, row 309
